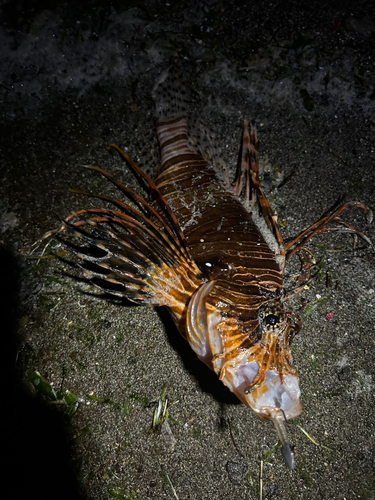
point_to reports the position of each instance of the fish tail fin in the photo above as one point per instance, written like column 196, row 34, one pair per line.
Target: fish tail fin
column 170, row 96
column 171, row 106
column 181, row 136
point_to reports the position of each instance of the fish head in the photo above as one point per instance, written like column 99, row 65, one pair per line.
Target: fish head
column 261, row 376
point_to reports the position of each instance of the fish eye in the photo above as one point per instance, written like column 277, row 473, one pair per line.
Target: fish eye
column 271, row 319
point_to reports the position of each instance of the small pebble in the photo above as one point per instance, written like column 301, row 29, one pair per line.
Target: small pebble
column 235, row 472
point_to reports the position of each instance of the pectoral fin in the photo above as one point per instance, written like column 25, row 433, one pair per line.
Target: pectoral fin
column 138, row 253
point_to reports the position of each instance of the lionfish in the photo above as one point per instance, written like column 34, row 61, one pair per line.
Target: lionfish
column 211, row 252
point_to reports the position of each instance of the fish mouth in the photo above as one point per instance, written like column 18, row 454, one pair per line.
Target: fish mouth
column 277, row 394
column 276, row 398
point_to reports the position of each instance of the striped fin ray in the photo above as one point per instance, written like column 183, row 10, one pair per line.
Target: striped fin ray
column 165, row 215
column 138, row 253
column 134, row 231
column 169, row 238
column 123, row 259
column 247, row 181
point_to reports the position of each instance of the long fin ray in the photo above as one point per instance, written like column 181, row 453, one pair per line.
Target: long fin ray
column 130, row 255
column 171, row 226
column 320, row 227
column 160, row 200
column 137, row 233
column 247, row 182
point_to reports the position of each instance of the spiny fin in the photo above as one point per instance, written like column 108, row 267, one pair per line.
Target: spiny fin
column 247, row 182
column 128, row 259
column 323, row 226
column 137, row 253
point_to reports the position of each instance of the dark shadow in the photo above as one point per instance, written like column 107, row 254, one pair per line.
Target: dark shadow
column 36, row 450
column 206, row 378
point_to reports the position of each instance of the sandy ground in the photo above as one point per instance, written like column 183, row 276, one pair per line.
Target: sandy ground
column 77, row 78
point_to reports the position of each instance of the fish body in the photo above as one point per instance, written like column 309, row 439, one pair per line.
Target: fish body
column 243, row 264
column 209, row 251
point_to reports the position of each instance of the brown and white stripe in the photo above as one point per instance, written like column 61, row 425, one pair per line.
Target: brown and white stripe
column 174, row 145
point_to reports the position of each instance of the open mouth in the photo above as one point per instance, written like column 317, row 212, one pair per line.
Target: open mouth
column 275, row 393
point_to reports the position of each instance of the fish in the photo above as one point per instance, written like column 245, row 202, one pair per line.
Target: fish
column 211, row 252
